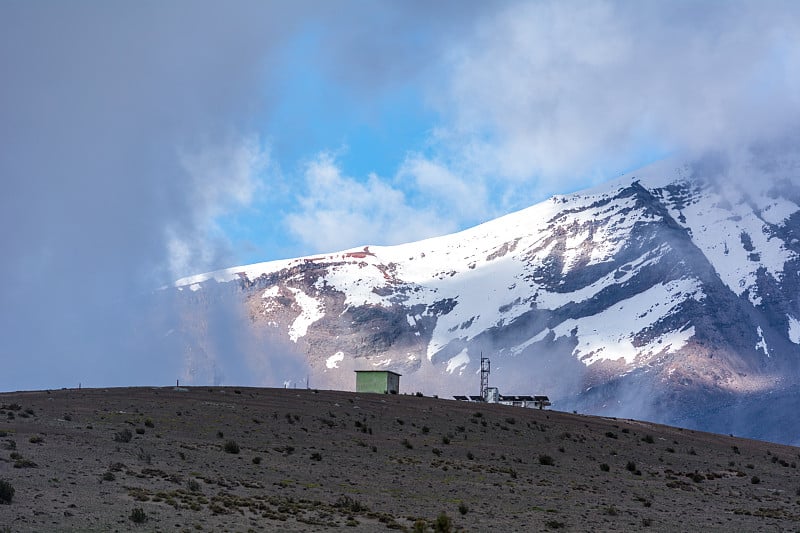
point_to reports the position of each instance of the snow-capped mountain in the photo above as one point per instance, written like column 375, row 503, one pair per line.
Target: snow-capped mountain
column 671, row 294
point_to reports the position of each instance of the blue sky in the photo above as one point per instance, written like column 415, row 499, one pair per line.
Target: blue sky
column 142, row 142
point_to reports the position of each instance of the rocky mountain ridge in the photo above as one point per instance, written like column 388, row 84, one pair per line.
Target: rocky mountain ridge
column 667, row 294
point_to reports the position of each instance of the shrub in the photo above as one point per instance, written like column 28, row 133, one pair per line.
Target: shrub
column 546, row 460
column 611, row 510
column 316, row 456
column 554, row 524
column 425, row 430
column 138, row 516
column 755, row 480
column 123, row 436
column 231, row 446
column 604, row 467
column 437, row 452
column 611, row 435
column 193, row 485
column 443, row 524
column 407, row 444
column 350, row 504
column 149, row 423
column 144, row 455
column 648, row 439
column 36, row 439
column 445, row 439
column 631, row 466
column 470, row 456
column 109, row 476
column 462, row 508
column 140, row 431
column 256, row 460
column 6, row 491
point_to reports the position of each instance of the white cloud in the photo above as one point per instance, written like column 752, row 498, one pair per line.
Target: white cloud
column 554, row 93
column 222, row 178
column 339, row 212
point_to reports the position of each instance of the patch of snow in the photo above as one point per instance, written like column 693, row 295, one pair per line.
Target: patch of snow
column 459, row 361
column 272, row 292
column 334, row 360
column 761, row 344
column 609, row 335
column 310, row 311
column 794, row 329
column 195, row 287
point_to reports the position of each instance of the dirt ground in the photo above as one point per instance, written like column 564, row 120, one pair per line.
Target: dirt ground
column 248, row 459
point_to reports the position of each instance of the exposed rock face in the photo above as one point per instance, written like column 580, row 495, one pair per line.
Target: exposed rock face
column 668, row 294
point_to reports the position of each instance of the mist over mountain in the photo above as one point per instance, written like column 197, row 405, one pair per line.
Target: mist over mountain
column 669, row 294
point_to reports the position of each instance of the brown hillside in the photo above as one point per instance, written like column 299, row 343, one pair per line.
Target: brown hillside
column 328, row 460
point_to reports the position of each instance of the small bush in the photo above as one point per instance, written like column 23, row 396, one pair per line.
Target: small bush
column 443, row 524
column 149, row 423
column 256, row 460
column 6, row 491
column 611, row 510
column 220, row 434
column 470, row 456
column 546, row 460
column 316, row 456
column 604, row 467
column 36, row 439
column 123, row 436
column 611, row 435
column 109, row 476
column 350, row 504
column 462, row 508
column 193, row 485
column 631, row 466
column 140, row 431
column 648, row 439
column 231, row 446
column 425, row 430
column 755, row 480
column 407, row 444
column 138, row 516
column 554, row 524
column 445, row 439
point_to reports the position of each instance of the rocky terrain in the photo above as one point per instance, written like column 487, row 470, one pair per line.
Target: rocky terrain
column 667, row 295
column 252, row 459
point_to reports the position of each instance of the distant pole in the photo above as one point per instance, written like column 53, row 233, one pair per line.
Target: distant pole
column 177, row 383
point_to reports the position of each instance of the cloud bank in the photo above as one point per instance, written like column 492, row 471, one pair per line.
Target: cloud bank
column 129, row 132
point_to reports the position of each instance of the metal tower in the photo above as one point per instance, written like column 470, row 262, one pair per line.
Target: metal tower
column 484, row 376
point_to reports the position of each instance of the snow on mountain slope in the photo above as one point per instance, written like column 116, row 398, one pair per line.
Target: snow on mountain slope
column 675, row 272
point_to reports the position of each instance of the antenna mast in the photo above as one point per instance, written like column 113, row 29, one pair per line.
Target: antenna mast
column 484, row 375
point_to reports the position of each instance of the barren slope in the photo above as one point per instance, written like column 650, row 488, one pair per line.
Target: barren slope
column 334, row 459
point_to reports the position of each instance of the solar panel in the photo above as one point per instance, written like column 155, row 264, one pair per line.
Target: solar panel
column 476, row 398
column 541, row 398
column 461, row 398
